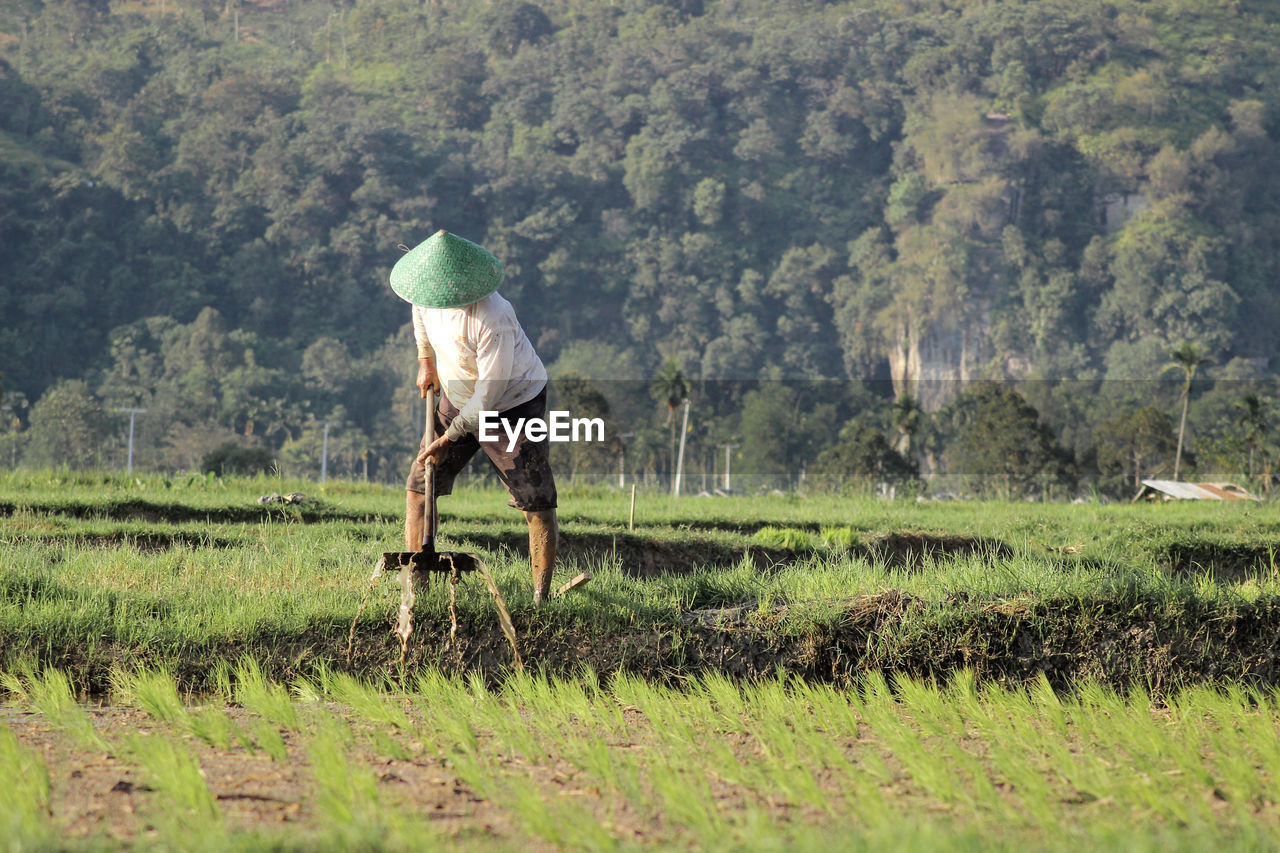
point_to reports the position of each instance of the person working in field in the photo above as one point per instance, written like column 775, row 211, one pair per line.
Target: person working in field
column 471, row 346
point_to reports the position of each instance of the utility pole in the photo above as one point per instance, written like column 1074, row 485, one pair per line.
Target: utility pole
column 684, row 432
column 622, row 458
column 133, row 417
column 324, row 454
column 727, row 448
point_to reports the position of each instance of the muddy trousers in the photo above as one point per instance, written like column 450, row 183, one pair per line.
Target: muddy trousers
column 544, row 539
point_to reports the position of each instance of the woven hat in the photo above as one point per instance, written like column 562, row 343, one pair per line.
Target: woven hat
column 446, row 271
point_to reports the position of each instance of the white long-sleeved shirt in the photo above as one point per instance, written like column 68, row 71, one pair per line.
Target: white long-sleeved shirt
column 482, row 356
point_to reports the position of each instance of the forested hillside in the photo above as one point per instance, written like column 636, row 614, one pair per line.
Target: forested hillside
column 200, row 202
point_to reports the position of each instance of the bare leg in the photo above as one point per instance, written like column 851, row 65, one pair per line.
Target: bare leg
column 544, row 533
column 415, row 511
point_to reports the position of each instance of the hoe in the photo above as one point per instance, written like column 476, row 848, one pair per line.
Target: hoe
column 428, row 561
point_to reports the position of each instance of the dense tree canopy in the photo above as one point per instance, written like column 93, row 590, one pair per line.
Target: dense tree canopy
column 200, row 202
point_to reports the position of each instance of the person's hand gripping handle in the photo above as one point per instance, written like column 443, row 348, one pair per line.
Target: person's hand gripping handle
column 429, row 384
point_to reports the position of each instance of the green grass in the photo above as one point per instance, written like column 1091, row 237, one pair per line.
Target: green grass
column 191, row 575
column 808, row 673
column 24, row 797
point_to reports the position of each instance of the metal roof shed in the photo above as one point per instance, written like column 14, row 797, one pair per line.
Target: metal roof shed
column 1172, row 490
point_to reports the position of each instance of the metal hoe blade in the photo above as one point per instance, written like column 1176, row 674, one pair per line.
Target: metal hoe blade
column 428, row 562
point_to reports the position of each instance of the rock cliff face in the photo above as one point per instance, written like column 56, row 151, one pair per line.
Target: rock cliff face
column 1117, row 208
column 934, row 366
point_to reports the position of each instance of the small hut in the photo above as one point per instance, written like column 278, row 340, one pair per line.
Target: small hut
column 1177, row 490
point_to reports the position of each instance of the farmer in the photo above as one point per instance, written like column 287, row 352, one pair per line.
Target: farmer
column 471, row 345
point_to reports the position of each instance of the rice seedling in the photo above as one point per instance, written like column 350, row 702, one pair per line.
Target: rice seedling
column 366, row 700
column 212, row 726
column 719, row 763
column 24, row 797
column 156, row 693
column 51, row 694
column 555, row 821
column 188, row 806
column 784, row 537
column 264, row 735
column 686, row 799
column 265, row 698
column 153, row 691
column 347, row 798
column 222, row 681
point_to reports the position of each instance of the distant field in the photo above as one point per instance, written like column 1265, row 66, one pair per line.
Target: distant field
column 741, row 673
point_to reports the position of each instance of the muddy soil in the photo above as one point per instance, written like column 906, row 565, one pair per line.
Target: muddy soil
column 101, row 797
column 640, row 556
column 1157, row 644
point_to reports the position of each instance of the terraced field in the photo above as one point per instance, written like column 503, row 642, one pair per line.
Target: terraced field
column 740, row 673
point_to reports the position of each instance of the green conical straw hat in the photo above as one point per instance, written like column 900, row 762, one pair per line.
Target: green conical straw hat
column 446, row 271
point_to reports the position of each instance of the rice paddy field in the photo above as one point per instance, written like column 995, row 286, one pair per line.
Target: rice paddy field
column 182, row 667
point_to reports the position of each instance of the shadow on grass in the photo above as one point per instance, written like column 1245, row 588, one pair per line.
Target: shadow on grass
column 177, row 513
column 1226, row 562
column 680, row 552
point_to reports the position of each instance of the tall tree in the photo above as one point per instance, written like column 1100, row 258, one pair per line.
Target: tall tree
column 1188, row 358
column 1133, row 445
column 861, row 459
column 67, row 425
column 671, row 388
column 1254, row 422
column 1003, row 447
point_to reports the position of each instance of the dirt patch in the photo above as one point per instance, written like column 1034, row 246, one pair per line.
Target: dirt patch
column 744, row 527
column 100, row 796
column 1228, row 563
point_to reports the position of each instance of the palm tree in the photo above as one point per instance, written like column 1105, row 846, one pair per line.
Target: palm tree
column 1188, row 358
column 906, row 420
column 1253, row 419
column 671, row 388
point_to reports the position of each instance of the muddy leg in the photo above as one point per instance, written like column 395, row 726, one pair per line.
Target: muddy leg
column 544, row 533
column 415, row 510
